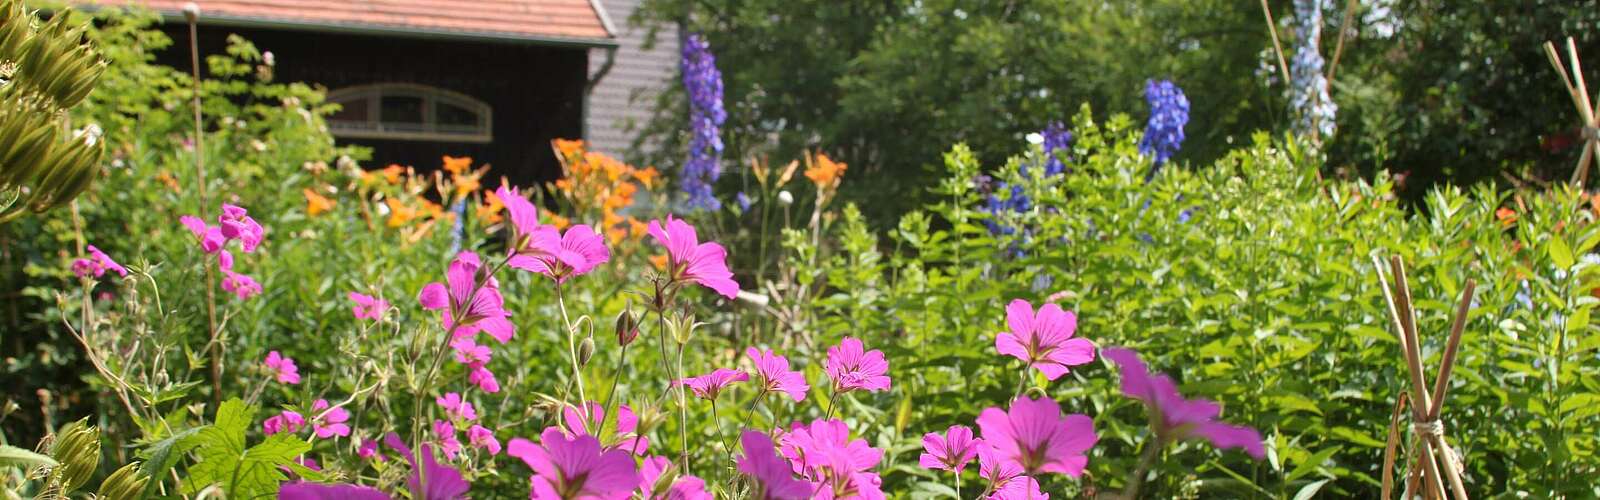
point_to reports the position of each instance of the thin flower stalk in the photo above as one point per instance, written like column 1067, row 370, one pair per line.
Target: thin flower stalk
column 572, row 348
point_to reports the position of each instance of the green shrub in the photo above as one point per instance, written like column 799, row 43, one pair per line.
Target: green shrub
column 1250, row 281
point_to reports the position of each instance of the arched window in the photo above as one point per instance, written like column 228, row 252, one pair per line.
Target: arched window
column 409, row 112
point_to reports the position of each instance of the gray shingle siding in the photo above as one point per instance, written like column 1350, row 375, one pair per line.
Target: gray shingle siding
column 622, row 102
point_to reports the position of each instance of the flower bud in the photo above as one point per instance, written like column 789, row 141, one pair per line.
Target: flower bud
column 126, row 482
column 682, row 327
column 785, row 198
column 649, row 415
column 627, row 328
column 191, row 11
column 585, row 351
column 663, row 485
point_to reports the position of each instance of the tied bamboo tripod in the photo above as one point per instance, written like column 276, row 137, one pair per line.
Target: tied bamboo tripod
column 1590, row 128
column 1436, row 463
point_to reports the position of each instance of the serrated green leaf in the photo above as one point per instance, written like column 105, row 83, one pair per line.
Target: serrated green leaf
column 243, row 473
column 165, row 453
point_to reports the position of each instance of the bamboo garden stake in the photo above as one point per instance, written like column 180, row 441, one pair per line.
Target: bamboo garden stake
column 1439, row 464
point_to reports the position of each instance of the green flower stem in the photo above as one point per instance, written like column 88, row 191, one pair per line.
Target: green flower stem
column 751, row 413
column 683, row 414
column 831, row 402
column 572, row 352
column 426, row 383
column 616, row 375
column 727, row 451
column 1152, row 450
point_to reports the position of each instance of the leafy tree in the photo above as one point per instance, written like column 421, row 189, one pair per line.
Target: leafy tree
column 1461, row 91
column 881, row 84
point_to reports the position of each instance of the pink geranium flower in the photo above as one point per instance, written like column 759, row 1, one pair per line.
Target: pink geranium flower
column 773, row 476
column 480, row 437
column 690, row 260
column 708, row 386
column 240, row 285
column 623, row 433
column 328, row 422
column 96, row 264
column 851, row 367
column 683, row 487
column 237, row 225
column 825, row 447
column 456, row 407
column 1006, row 481
column 288, row 421
column 1043, row 340
column 369, row 449
column 776, row 375
column 543, row 249
column 443, row 482
column 579, row 251
column 483, row 378
column 469, row 352
column 367, row 306
column 568, row 469
column 823, row 451
column 445, row 433
column 209, row 237
column 528, row 235
column 476, row 307
column 1180, row 418
column 952, row 451
column 1034, row 434
column 282, row 368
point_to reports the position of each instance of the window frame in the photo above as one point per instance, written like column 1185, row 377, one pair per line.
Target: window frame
column 373, row 126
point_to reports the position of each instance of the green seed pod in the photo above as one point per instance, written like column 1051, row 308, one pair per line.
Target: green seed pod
column 77, row 448
column 50, row 68
column 126, row 482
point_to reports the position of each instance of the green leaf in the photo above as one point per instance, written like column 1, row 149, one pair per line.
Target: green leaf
column 11, row 455
column 934, row 490
column 1560, row 254
column 1311, row 464
column 1581, row 406
column 1357, row 437
column 1578, row 321
column 1309, row 491
column 243, row 473
column 165, row 453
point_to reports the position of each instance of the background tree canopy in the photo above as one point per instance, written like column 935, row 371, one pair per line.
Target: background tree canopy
column 1447, row 91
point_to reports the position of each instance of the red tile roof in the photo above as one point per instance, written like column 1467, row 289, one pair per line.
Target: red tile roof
column 557, row 21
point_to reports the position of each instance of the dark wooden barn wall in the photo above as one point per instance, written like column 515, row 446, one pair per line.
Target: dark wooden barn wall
column 536, row 91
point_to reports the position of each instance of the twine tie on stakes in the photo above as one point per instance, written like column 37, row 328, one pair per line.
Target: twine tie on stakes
column 1431, row 428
